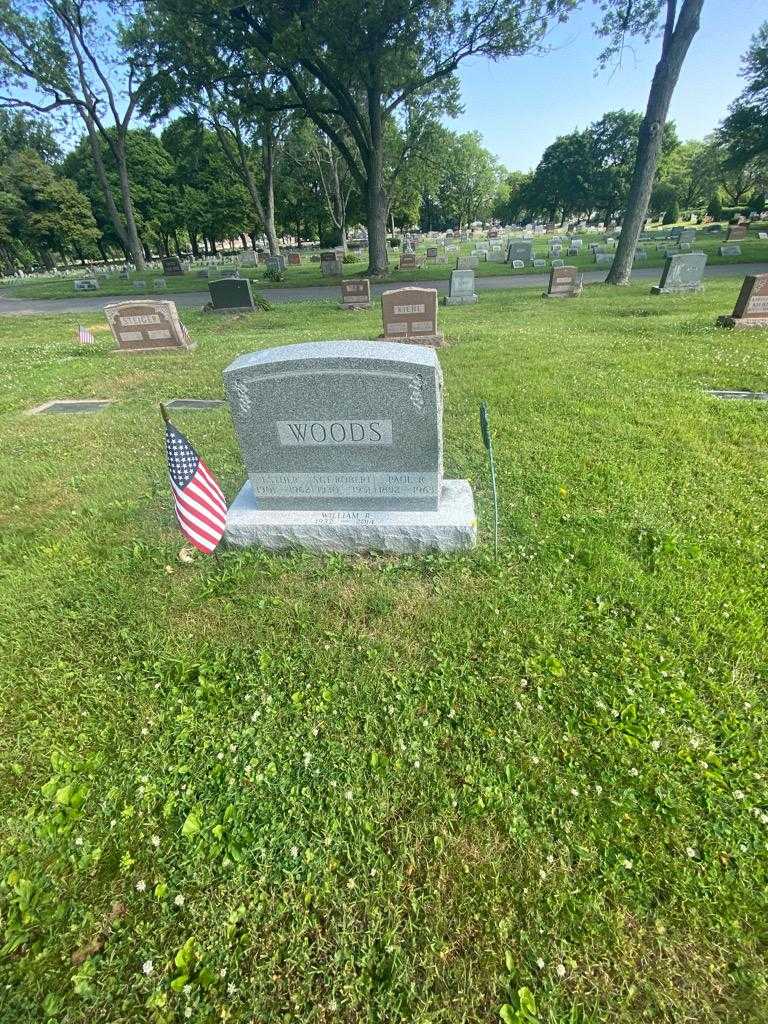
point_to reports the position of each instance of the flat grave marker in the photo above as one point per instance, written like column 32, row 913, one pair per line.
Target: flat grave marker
column 200, row 404
column 343, row 444
column 70, row 405
column 86, row 284
column 730, row 250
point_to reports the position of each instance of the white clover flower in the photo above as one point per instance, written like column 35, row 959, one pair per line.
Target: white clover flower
column 691, row 851
column 231, row 988
column 188, row 1012
column 540, row 964
column 178, row 900
column 739, row 794
column 417, row 763
column 560, row 970
column 141, row 885
column 542, row 874
column 307, row 757
column 79, row 841
column 155, row 840
column 655, row 744
column 574, row 791
column 351, row 884
column 535, row 759
column 147, row 967
column 349, row 795
column 628, row 864
column 145, row 731
column 220, row 756
column 598, row 788
column 294, row 852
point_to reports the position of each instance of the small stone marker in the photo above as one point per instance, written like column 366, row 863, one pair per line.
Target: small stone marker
column 140, row 286
column 518, row 264
column 172, row 266
column 751, row 309
column 682, row 273
column 753, row 396
column 604, row 257
column 564, row 283
column 641, row 255
column 231, row 294
column 294, row 259
column 160, row 284
column 86, row 284
column 762, row 235
column 410, row 314
column 70, row 405
column 276, row 263
column 330, row 264
column 248, row 259
column 147, row 325
column 356, row 294
column 407, row 261
column 461, row 288
column 540, row 263
column 736, row 232
column 466, row 262
column 687, row 235
column 730, row 250
column 343, row 445
column 194, row 403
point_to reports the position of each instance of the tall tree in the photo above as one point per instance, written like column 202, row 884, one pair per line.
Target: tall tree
column 357, row 66
column 623, row 18
column 20, row 131
column 745, row 131
column 469, row 181
column 63, row 55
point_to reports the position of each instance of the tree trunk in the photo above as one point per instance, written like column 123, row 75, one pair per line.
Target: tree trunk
column 193, row 243
column 176, row 245
column 212, row 246
column 106, row 189
column 268, row 159
column 132, row 235
column 677, row 39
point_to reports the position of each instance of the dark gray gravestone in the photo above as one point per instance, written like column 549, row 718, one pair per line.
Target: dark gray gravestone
column 682, row 273
column 231, row 294
column 519, row 251
column 172, row 266
column 69, row 405
column 195, row 403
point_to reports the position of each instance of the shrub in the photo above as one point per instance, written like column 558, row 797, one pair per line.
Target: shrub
column 349, row 258
column 715, row 207
column 273, row 274
column 672, row 216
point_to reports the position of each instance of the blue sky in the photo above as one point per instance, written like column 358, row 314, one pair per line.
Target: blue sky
column 522, row 104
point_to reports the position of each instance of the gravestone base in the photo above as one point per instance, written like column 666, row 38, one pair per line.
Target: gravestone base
column 450, row 527
column 741, row 322
column 459, row 300
column 428, row 340
column 355, row 305
column 658, row 290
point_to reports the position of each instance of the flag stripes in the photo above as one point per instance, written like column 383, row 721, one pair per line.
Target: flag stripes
column 199, row 503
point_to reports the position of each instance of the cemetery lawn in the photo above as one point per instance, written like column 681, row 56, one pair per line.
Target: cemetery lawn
column 309, row 274
column 424, row 789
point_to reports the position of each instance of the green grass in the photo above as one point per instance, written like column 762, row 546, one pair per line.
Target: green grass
column 310, row 275
column 329, row 789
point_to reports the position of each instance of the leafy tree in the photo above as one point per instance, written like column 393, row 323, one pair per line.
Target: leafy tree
column 560, row 182
column 663, row 198
column 469, row 180
column 20, row 131
column 715, row 207
column 356, row 68
column 44, row 212
column 672, row 215
column 693, row 171
column 61, row 55
column 744, row 132
column 679, row 23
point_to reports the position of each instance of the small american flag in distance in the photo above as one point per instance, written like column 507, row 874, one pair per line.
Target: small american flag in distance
column 200, row 507
column 84, row 335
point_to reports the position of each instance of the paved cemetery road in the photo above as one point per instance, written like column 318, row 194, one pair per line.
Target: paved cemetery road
column 12, row 307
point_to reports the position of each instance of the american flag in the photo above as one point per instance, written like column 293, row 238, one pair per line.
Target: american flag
column 199, row 502
column 84, row 335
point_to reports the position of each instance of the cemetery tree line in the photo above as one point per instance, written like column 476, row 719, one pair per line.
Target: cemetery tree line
column 262, row 119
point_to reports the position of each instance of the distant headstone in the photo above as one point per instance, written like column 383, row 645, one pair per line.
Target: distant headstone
column 540, row 263
column 343, row 445
column 564, row 283
column 330, row 264
column 172, row 266
column 356, row 293
column 275, row 263
column 518, row 264
column 432, row 252
column 146, row 325
column 461, row 288
column 687, row 235
column 641, row 255
column 736, row 232
column 466, row 262
column 249, row 258
column 407, row 261
column 730, row 249
column 520, row 251
column 604, row 257
column 231, row 294
column 575, row 247
column 160, row 284
column 410, row 314
column 762, row 235
column 751, row 309
column 86, row 284
column 682, row 273
column 294, row 259
column 140, row 286
column 558, row 263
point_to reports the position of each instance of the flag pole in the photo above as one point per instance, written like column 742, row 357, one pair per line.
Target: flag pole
column 485, row 429
column 164, row 413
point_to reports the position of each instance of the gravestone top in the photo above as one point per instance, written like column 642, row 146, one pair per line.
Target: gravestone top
column 564, row 283
column 682, row 273
column 687, row 235
column 356, row 293
column 340, row 425
column 146, row 325
column 411, row 314
column 231, row 294
column 751, row 309
column 461, row 288
column 407, row 260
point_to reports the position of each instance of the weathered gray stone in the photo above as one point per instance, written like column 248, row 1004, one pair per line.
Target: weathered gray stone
column 70, row 405
column 356, row 293
column 730, row 250
column 520, row 250
column 682, row 273
column 172, row 266
column 452, row 526
column 86, row 284
column 461, row 288
column 340, row 425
